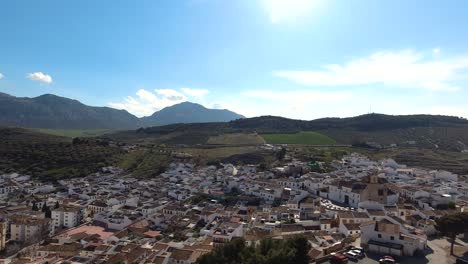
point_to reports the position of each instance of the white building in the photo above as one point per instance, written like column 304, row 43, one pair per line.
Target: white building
column 387, row 237
column 26, row 228
column 66, row 217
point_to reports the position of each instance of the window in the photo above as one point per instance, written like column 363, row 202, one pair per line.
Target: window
column 379, row 235
column 381, row 192
column 392, row 238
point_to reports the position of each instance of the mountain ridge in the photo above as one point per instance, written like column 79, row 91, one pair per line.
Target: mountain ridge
column 50, row 111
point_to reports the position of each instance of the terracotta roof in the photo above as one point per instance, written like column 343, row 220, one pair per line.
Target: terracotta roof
column 152, row 233
column 376, row 212
column 314, row 253
column 159, row 260
column 181, row 254
column 352, row 226
column 89, row 230
column 160, row 246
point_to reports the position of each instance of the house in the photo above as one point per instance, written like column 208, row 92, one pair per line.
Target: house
column 325, row 224
column 226, row 231
column 97, row 207
column 376, row 214
column 377, row 191
column 349, row 217
column 184, row 256
column 405, row 211
column 8, row 187
column 350, row 229
column 428, row 226
column 308, row 207
column 387, row 237
column 346, row 192
column 174, row 209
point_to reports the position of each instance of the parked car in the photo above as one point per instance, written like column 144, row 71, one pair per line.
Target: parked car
column 358, row 252
column 387, row 261
column 358, row 248
column 352, row 255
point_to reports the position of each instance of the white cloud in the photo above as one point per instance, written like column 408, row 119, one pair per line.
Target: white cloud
column 171, row 95
column 145, row 102
column 1, row 76
column 298, row 104
column 407, row 69
column 308, row 96
column 436, row 50
column 280, row 10
column 198, row 93
column 40, row 77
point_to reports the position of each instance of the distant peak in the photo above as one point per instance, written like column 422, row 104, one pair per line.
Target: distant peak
column 188, row 103
column 48, row 96
column 5, row 95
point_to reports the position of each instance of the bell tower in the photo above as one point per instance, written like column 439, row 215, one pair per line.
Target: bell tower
column 3, row 231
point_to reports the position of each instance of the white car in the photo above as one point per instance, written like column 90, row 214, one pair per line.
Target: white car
column 352, row 255
column 358, row 249
column 358, row 252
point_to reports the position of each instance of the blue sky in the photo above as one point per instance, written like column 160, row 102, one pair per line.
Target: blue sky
column 301, row 59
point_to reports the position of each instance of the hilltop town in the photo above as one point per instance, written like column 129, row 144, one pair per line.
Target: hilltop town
column 383, row 207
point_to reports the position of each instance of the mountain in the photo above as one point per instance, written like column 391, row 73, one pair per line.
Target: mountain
column 55, row 112
column 51, row 111
column 189, row 113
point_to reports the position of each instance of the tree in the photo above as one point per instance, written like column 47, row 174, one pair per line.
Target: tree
column 268, row 251
column 281, row 154
column 46, row 210
column 302, row 247
column 452, row 225
column 34, row 207
column 57, row 205
column 451, row 205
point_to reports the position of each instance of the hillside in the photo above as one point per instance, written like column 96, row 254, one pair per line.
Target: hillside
column 187, row 112
column 52, row 157
column 51, row 111
column 427, row 131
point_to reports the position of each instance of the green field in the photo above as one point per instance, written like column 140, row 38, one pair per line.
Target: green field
column 304, row 137
column 216, row 153
column 72, row 133
column 236, row 139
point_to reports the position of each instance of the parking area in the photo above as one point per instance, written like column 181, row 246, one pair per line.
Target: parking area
column 328, row 204
column 436, row 253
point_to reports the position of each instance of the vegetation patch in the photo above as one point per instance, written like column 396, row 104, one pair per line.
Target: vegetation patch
column 292, row 250
column 50, row 157
column 236, row 139
column 72, row 133
column 303, row 137
column 145, row 162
